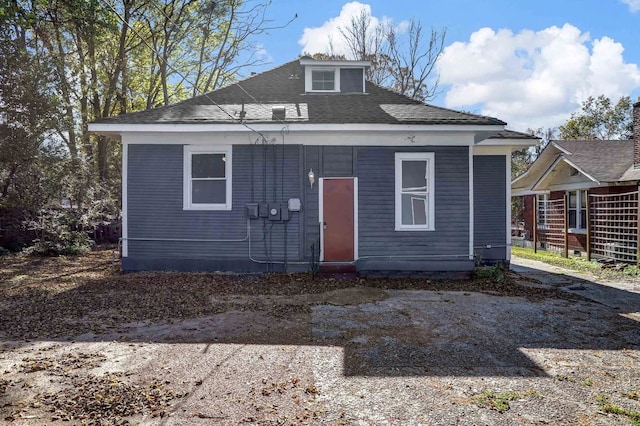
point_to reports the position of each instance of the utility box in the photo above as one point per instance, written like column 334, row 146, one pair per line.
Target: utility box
column 263, row 210
column 294, row 204
column 252, row 210
column 274, row 211
column 284, row 212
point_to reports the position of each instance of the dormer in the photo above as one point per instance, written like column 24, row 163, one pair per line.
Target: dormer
column 334, row 76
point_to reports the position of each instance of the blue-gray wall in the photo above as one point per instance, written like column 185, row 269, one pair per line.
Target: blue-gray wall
column 380, row 246
column 490, row 207
column 443, row 249
column 155, row 182
column 155, row 185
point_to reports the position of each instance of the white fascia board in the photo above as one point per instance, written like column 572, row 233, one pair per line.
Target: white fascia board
column 513, row 144
column 363, row 138
column 519, row 192
column 341, row 64
column 103, row 128
column 510, row 142
column 492, row 150
column 559, row 148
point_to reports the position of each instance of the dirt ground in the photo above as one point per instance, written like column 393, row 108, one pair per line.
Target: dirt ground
column 81, row 343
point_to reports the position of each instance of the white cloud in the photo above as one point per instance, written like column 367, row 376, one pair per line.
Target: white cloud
column 534, row 79
column 262, row 53
column 327, row 37
column 634, row 5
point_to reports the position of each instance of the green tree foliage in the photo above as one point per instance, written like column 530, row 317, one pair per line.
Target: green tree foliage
column 31, row 161
column 521, row 160
column 65, row 63
column 600, row 118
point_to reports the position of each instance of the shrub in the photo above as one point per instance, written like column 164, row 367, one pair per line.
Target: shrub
column 496, row 273
column 56, row 235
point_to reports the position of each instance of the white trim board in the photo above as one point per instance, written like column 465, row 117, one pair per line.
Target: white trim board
column 291, row 127
column 471, row 210
column 125, row 201
column 188, row 151
column 321, row 216
column 429, row 157
column 308, row 78
column 327, row 138
column 508, row 206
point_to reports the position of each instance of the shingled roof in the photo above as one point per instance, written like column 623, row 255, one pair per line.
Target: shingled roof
column 602, row 161
column 605, row 161
column 284, row 86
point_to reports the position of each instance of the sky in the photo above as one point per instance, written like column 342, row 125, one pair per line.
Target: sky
column 529, row 63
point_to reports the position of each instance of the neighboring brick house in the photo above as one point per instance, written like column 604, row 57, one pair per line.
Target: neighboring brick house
column 577, row 170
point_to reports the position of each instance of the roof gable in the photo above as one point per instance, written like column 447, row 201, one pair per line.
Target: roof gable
column 598, row 161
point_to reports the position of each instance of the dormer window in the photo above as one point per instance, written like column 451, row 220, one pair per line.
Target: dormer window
column 334, row 76
column 323, row 80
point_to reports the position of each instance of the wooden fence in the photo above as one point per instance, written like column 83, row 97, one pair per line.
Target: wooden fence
column 612, row 226
column 550, row 231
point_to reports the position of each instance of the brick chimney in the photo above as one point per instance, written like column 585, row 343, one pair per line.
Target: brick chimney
column 636, row 134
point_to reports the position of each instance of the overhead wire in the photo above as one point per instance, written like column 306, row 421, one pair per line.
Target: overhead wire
column 260, row 104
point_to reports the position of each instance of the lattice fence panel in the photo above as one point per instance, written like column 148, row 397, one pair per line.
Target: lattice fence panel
column 614, row 226
column 551, row 232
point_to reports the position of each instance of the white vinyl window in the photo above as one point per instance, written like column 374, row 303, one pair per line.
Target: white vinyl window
column 577, row 211
column 543, row 211
column 207, row 178
column 325, row 79
column 415, row 209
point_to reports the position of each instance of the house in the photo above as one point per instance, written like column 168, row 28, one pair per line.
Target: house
column 309, row 164
column 582, row 196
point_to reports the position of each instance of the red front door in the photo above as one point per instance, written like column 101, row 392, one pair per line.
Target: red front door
column 338, row 218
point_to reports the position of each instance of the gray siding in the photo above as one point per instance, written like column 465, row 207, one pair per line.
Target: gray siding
column 376, row 177
column 155, row 183
column 351, row 80
column 155, row 211
column 490, row 207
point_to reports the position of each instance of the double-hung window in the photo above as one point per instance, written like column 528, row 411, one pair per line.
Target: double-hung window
column 414, row 191
column 324, row 79
column 207, row 178
column 577, row 210
column 543, row 211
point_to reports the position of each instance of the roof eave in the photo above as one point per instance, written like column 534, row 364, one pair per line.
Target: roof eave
column 119, row 128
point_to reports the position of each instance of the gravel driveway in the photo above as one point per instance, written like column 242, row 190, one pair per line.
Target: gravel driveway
column 82, row 343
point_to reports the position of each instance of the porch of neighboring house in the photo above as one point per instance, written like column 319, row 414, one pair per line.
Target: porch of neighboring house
column 597, row 223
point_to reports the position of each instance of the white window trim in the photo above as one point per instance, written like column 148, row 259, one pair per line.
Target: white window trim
column 577, row 208
column 545, row 223
column 424, row 156
column 308, row 80
column 189, row 150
